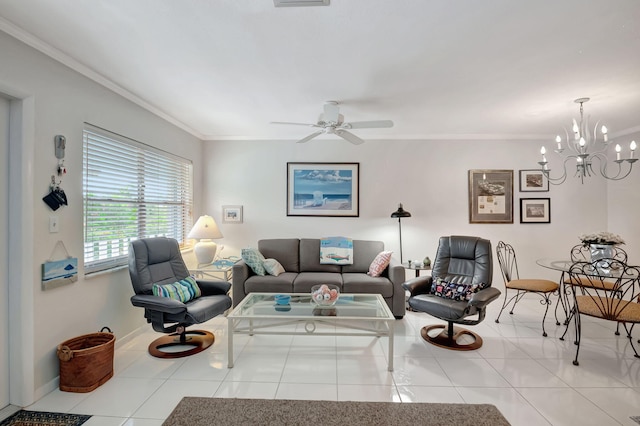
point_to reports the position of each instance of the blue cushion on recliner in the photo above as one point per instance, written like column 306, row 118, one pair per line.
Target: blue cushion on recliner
column 183, row 290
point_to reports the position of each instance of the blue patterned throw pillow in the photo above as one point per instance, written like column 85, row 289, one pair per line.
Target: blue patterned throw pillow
column 254, row 259
column 453, row 291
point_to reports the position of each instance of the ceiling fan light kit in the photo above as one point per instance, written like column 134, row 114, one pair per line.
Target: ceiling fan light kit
column 332, row 122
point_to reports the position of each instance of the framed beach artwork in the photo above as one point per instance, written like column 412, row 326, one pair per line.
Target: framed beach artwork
column 323, row 189
column 59, row 272
column 535, row 210
column 533, row 181
column 490, row 196
column 232, row 214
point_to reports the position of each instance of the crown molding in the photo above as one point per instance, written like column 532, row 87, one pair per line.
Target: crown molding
column 45, row 48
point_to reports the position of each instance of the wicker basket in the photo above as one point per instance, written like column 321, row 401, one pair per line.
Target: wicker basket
column 86, row 361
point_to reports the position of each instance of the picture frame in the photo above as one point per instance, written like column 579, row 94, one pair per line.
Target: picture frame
column 56, row 273
column 231, row 214
column 490, row 196
column 535, row 210
column 323, row 189
column 533, row 181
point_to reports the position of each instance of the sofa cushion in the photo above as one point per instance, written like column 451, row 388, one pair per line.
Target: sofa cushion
column 363, row 254
column 284, row 250
column 254, row 259
column 310, row 257
column 363, row 283
column 283, row 283
column 453, row 291
column 273, row 267
column 305, row 280
column 380, row 263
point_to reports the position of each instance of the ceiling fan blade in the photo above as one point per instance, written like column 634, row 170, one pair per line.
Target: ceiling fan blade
column 349, row 136
column 368, row 124
column 311, row 136
column 295, row 124
column 331, row 112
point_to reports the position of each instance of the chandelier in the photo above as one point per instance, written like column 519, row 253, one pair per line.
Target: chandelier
column 586, row 147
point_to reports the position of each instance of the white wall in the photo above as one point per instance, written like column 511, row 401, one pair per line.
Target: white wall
column 624, row 205
column 429, row 177
column 63, row 101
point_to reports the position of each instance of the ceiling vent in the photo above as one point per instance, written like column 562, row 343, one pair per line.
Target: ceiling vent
column 300, row 3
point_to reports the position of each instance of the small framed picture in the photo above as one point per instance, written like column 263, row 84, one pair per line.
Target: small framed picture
column 232, row 214
column 535, row 210
column 533, row 181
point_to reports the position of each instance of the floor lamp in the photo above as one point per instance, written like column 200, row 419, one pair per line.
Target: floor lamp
column 400, row 213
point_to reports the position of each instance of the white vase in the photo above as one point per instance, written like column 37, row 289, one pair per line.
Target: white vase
column 601, row 255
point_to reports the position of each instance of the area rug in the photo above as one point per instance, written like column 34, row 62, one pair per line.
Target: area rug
column 197, row 411
column 43, row 418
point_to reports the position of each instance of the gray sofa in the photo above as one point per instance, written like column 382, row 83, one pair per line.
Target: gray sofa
column 301, row 261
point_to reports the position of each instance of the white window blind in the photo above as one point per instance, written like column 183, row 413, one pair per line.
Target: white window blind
column 130, row 191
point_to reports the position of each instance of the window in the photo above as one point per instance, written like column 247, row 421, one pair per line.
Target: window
column 130, row 191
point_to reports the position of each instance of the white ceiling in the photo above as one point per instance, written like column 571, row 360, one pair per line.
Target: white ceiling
column 224, row 69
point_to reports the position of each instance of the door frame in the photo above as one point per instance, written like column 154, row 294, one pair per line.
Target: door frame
column 21, row 269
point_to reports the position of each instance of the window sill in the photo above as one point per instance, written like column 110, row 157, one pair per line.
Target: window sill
column 104, row 272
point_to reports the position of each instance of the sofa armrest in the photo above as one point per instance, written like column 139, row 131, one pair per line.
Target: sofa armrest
column 241, row 272
column 418, row 285
column 396, row 273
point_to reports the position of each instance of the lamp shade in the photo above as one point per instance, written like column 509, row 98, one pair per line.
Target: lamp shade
column 205, row 230
column 400, row 212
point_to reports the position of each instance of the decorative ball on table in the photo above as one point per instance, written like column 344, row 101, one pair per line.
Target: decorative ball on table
column 325, row 294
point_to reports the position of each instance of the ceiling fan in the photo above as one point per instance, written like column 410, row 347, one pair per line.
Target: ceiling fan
column 332, row 122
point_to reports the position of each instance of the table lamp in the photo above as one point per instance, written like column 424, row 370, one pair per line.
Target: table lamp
column 400, row 213
column 205, row 230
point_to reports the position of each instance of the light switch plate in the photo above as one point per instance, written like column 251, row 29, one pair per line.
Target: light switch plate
column 54, row 225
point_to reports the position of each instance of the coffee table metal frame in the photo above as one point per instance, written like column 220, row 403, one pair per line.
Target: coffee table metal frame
column 257, row 314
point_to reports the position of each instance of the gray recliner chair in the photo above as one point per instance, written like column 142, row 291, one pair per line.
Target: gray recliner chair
column 158, row 261
column 459, row 260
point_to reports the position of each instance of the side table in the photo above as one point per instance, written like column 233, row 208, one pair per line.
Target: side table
column 416, row 267
column 222, row 268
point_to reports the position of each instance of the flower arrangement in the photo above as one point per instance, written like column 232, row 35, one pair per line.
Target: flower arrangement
column 601, row 238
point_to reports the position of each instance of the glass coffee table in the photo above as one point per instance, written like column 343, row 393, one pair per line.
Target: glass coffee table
column 352, row 315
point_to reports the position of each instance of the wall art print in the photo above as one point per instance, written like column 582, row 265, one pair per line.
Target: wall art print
column 323, row 189
column 490, row 196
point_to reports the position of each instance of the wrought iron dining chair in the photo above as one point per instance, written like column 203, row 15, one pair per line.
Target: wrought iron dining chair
column 581, row 253
column 512, row 282
column 617, row 303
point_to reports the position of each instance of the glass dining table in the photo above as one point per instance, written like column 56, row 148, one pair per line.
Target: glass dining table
column 564, row 266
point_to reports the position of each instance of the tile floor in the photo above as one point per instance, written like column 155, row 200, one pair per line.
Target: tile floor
column 530, row 378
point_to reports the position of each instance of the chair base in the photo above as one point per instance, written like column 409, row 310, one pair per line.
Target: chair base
column 443, row 339
column 197, row 340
